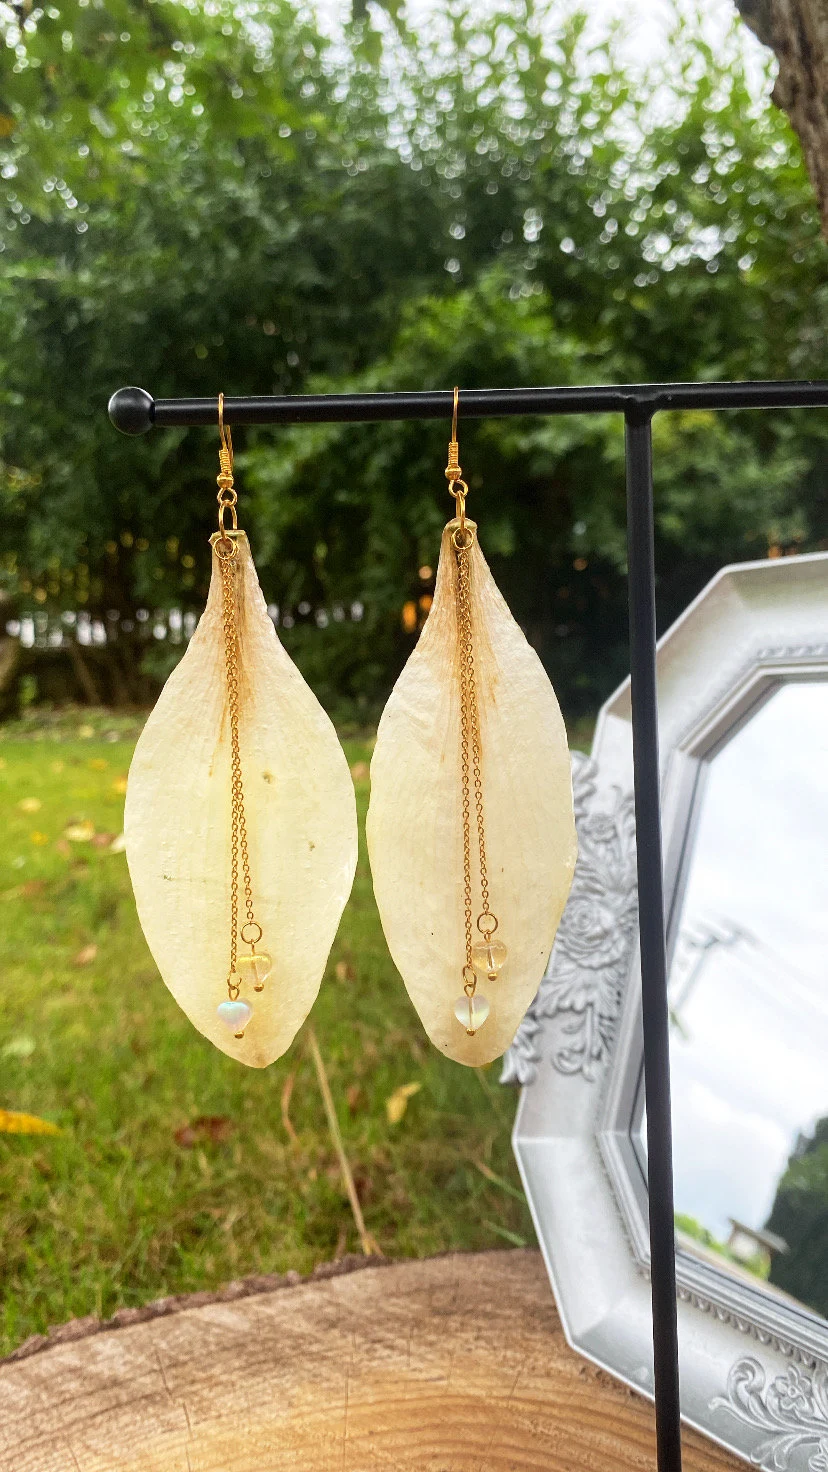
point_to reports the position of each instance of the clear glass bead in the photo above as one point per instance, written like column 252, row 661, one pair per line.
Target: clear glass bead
column 471, row 1012
column 488, row 957
column 256, row 967
column 235, row 1015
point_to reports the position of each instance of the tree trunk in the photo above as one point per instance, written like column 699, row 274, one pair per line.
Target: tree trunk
column 797, row 31
column 9, row 661
column 452, row 1364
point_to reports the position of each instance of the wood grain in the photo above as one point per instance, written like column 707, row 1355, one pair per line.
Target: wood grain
column 452, row 1364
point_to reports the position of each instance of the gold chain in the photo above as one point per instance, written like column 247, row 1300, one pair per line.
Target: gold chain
column 466, row 652
column 470, row 745
column 238, row 824
column 227, row 549
column 470, row 759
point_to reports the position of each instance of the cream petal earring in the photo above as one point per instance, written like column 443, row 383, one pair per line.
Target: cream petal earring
column 240, row 821
column 471, row 830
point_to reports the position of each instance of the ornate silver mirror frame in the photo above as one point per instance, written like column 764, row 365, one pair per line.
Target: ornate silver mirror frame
column 754, row 1365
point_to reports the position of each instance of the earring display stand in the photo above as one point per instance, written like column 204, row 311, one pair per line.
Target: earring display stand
column 133, row 411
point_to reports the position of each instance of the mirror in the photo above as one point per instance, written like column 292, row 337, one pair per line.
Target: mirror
column 749, row 1002
column 743, row 732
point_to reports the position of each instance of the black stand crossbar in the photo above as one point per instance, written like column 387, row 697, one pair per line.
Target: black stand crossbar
column 133, row 411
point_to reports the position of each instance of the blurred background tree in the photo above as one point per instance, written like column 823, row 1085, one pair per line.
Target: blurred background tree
column 216, row 196
column 800, row 1216
column 797, row 32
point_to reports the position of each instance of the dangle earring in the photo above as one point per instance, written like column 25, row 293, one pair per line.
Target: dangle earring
column 257, row 965
column 471, row 829
column 239, row 808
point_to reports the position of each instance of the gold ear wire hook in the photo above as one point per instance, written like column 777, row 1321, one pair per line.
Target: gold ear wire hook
column 227, row 496
column 226, row 451
column 457, row 486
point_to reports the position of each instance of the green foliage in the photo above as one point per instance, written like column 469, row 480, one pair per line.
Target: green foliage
column 690, row 1226
column 128, row 1203
column 225, row 199
column 800, row 1216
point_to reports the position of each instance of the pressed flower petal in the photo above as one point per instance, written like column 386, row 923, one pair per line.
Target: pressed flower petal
column 415, row 825
column 300, row 815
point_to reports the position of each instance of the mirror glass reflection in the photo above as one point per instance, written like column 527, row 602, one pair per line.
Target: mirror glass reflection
column 749, row 1004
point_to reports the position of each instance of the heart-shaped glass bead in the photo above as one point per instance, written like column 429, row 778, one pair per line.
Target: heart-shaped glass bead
column 471, row 1012
column 235, row 1015
column 488, row 957
column 255, row 967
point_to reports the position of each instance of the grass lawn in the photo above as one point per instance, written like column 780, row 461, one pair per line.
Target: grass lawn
column 128, row 1203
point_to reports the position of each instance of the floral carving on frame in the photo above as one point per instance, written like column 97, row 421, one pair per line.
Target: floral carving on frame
column 590, row 959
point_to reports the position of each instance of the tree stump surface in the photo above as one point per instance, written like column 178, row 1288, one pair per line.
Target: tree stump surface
column 450, row 1364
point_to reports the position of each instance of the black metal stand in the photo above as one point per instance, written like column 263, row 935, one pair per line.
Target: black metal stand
column 133, row 411
column 655, row 1019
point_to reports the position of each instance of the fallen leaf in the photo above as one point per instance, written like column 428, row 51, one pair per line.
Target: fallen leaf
column 353, row 1095
column 120, row 785
column 86, row 956
column 39, row 838
column 287, row 1091
column 343, row 971
column 360, row 771
column 63, row 848
column 397, row 1103
column 85, row 732
column 212, row 1129
column 80, row 832
column 117, row 845
column 98, row 764
column 30, row 805
column 103, row 840
column 20, row 1047
column 12, row 1123
column 32, row 887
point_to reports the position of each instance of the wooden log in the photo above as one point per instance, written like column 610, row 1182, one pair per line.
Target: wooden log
column 451, row 1364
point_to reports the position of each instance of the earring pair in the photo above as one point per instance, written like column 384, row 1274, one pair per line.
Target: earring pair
column 240, row 821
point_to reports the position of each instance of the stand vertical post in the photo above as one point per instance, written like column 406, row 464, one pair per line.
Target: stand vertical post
column 641, row 563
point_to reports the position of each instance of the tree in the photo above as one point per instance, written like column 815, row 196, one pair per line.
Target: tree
column 797, row 32
column 226, row 200
column 800, row 1216
column 188, row 202
column 682, row 255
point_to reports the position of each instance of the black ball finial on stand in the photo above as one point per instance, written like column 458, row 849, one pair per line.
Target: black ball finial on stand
column 132, row 410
